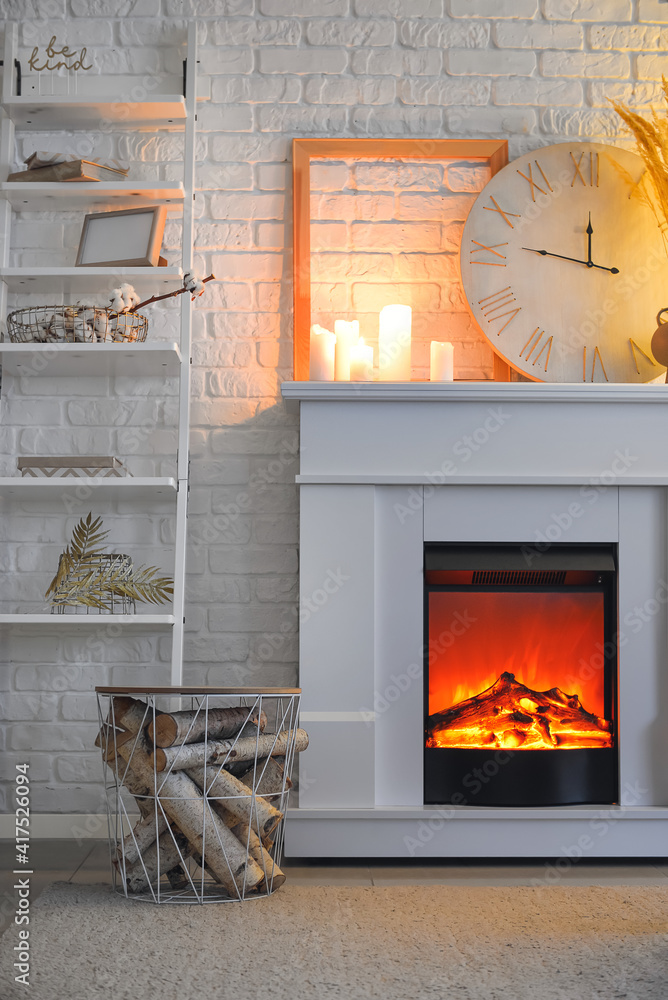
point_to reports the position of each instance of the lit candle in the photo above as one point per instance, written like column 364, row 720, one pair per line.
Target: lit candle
column 347, row 335
column 321, row 358
column 361, row 362
column 442, row 362
column 394, row 344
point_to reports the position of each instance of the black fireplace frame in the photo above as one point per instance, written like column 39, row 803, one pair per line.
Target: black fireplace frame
column 517, row 778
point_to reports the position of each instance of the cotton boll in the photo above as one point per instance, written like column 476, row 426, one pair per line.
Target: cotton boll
column 57, row 327
column 117, row 302
column 130, row 297
column 82, row 331
column 101, row 324
column 41, row 333
column 193, row 283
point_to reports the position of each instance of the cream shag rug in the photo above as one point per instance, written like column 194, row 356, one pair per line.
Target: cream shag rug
column 405, row 943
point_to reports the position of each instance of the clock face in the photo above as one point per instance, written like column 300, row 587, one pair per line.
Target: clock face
column 564, row 266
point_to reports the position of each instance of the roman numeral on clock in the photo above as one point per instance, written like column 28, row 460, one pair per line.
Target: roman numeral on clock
column 504, row 213
column 533, row 343
column 534, row 186
column 493, row 249
column 593, row 170
column 499, row 305
column 597, row 354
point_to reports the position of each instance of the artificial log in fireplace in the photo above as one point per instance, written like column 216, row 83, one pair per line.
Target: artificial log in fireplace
column 521, row 668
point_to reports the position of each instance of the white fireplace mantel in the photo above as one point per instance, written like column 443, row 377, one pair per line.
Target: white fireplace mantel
column 385, row 467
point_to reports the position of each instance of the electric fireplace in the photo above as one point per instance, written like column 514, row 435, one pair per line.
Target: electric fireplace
column 520, row 675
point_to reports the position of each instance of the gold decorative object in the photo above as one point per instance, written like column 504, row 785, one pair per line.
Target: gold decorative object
column 90, row 578
column 651, row 136
column 72, row 61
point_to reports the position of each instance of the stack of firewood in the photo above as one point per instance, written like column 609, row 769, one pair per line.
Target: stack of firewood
column 220, row 784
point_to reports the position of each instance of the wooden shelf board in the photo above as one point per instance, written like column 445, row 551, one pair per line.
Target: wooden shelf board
column 40, row 280
column 60, row 196
column 57, row 112
column 157, row 359
column 102, row 487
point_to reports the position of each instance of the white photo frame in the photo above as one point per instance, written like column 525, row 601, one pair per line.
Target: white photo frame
column 130, row 238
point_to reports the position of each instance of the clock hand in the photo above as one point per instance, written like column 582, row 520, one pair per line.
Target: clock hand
column 576, row 260
column 589, row 232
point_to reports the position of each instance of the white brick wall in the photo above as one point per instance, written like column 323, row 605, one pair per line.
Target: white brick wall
column 533, row 71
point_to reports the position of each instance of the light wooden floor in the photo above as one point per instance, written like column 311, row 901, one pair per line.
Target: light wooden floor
column 67, row 861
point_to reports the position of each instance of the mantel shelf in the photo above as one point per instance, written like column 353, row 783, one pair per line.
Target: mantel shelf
column 39, row 280
column 157, row 359
column 473, row 392
column 101, row 487
column 56, row 112
column 58, row 196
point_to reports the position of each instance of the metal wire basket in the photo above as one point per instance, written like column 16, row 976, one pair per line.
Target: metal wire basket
column 208, row 772
column 109, row 565
column 75, row 325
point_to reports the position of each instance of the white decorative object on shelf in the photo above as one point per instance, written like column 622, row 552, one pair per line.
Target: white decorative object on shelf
column 361, row 362
column 131, row 237
column 442, row 362
column 321, row 363
column 75, row 466
column 394, row 344
column 347, row 335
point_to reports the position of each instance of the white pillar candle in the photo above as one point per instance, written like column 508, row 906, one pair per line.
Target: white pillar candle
column 321, row 358
column 394, row 344
column 347, row 335
column 361, row 362
column 442, row 367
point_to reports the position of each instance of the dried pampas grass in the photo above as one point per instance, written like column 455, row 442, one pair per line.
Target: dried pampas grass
column 651, row 136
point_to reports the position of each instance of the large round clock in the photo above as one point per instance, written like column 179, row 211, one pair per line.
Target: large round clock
column 564, row 267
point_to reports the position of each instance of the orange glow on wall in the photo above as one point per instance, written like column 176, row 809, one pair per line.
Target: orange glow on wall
column 351, row 260
column 511, row 646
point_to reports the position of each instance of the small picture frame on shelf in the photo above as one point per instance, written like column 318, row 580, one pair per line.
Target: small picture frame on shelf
column 130, row 238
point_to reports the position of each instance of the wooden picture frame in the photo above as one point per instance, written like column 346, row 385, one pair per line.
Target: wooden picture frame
column 492, row 151
column 128, row 238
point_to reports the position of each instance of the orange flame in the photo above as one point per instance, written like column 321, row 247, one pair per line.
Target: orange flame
column 544, row 640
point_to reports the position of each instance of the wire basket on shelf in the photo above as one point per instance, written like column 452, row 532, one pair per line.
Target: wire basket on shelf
column 111, row 568
column 75, row 325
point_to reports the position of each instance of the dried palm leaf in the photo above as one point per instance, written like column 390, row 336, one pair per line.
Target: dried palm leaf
column 89, row 577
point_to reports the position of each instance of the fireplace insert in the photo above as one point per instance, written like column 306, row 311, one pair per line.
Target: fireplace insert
column 520, row 675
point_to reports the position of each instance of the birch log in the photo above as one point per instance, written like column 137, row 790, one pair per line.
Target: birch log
column 271, row 777
column 183, row 802
column 142, row 836
column 192, row 726
column 157, row 859
column 274, row 877
column 183, row 758
column 125, row 775
column 127, row 713
column 237, row 798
